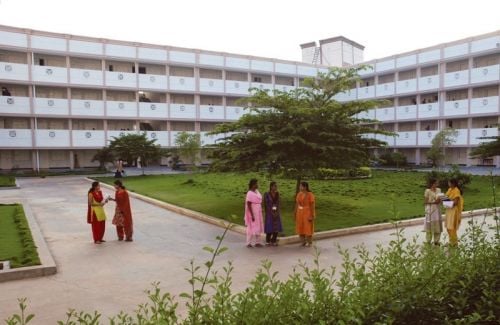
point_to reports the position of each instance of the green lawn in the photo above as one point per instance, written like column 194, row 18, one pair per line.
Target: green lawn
column 340, row 203
column 6, row 180
column 16, row 243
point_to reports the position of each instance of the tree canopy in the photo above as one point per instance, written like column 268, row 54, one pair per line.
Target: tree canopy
column 442, row 140
column 303, row 129
column 131, row 147
column 188, row 146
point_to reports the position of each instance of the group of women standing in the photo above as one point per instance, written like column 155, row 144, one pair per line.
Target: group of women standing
column 97, row 217
column 433, row 224
column 256, row 224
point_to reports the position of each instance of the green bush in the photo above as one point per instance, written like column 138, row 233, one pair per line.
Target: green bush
column 403, row 283
column 443, row 177
column 393, row 159
column 330, row 173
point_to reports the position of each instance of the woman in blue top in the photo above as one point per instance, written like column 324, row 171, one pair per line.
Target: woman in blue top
column 273, row 219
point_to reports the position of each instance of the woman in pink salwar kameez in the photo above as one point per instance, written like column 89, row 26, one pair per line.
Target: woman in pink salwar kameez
column 253, row 215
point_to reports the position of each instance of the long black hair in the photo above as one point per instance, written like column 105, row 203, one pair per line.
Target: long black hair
column 305, row 185
column 119, row 184
column 252, row 183
column 430, row 182
column 94, row 185
column 454, row 182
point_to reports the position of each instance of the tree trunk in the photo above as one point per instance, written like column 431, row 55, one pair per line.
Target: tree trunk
column 297, row 185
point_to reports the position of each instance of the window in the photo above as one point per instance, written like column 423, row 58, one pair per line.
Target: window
column 41, row 62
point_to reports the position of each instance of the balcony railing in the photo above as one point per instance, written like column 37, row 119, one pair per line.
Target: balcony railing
column 237, row 87
column 386, row 89
column 87, row 107
column 234, row 112
column 211, row 112
column 183, row 111
column 485, row 74
column 406, row 86
column 406, row 138
column 14, row 71
column 14, row 105
column 475, row 135
column 428, row 83
column 52, row 138
column 457, row 107
column 121, row 79
column 86, row 77
column 457, row 78
column 406, row 112
column 88, row 138
column 51, row 106
column 212, row 85
column 484, row 105
column 428, row 110
column 16, row 138
column 150, row 81
column 182, row 83
column 121, row 108
column 161, row 137
column 385, row 114
column 158, row 110
column 50, row 74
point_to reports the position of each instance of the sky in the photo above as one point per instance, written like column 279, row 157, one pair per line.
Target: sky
column 268, row 28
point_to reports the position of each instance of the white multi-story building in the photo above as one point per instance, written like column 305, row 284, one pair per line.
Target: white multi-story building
column 66, row 96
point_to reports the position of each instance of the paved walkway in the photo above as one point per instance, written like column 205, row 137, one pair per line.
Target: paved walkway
column 113, row 276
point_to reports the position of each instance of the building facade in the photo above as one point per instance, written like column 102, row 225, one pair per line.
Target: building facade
column 64, row 96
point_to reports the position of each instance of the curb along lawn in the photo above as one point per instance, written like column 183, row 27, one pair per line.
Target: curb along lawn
column 339, row 203
column 16, row 243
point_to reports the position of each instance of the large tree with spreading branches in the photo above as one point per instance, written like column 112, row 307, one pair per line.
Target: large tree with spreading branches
column 300, row 130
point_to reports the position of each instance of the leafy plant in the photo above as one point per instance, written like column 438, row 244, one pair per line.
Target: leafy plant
column 443, row 177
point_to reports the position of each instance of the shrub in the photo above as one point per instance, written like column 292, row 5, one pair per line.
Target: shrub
column 443, row 177
column 393, row 159
column 403, row 283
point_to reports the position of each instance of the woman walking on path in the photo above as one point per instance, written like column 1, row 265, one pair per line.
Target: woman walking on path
column 253, row 214
column 305, row 213
column 454, row 214
column 95, row 212
column 273, row 219
column 433, row 224
column 123, row 214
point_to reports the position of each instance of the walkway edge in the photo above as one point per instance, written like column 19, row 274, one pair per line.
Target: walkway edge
column 295, row 239
column 48, row 265
column 183, row 211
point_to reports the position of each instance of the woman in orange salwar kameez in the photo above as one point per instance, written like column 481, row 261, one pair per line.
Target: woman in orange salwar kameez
column 95, row 213
column 123, row 214
column 305, row 213
column 454, row 214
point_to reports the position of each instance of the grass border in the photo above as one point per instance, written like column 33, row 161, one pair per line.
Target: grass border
column 29, row 255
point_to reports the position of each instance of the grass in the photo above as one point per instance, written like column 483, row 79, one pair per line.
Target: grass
column 6, row 181
column 16, row 243
column 339, row 203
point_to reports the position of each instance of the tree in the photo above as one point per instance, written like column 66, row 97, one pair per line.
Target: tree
column 131, row 147
column 300, row 130
column 188, row 146
column 487, row 149
column 103, row 156
column 393, row 159
column 440, row 142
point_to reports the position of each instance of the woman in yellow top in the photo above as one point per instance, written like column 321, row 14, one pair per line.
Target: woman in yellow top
column 305, row 213
column 454, row 214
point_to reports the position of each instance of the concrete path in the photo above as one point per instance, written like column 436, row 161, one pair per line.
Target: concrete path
column 113, row 276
